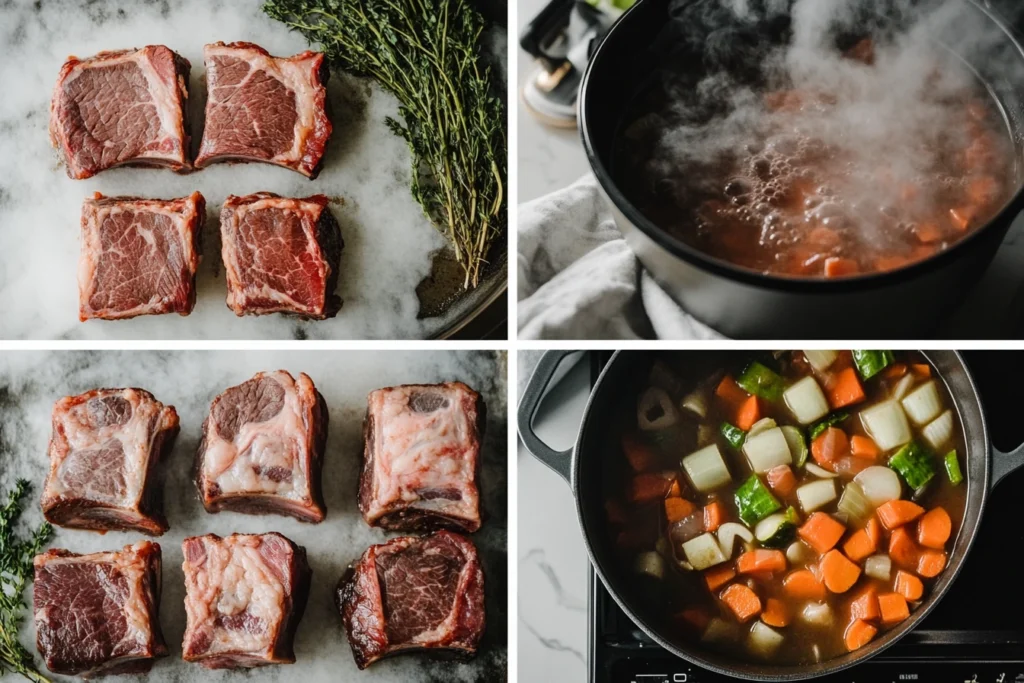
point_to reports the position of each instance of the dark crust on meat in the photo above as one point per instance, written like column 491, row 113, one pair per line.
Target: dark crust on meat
column 404, row 518
column 81, row 513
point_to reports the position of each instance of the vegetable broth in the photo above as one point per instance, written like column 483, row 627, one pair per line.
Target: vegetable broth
column 680, row 600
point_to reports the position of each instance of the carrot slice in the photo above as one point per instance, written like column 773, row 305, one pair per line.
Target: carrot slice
column 845, row 390
column 895, row 371
column 802, row 584
column 646, row 488
column 962, row 217
column 864, row 447
column 931, row 563
column 908, row 585
column 675, row 491
column 838, row 572
column 761, row 560
column 934, row 528
column 749, row 412
column 678, row 509
column 922, row 370
column 641, row 457
column 865, row 605
column 730, row 392
column 830, row 445
column 859, row 634
column 698, row 619
column 902, row 548
column 743, row 602
column 840, row 267
column 781, row 480
column 821, row 532
column 716, row 577
column 874, row 531
column 928, row 233
column 893, row 607
column 714, row 516
column 775, row 613
column 896, row 513
column 859, row 546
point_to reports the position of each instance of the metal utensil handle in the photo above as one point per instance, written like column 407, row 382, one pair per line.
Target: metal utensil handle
column 559, row 461
column 552, row 19
column 1005, row 463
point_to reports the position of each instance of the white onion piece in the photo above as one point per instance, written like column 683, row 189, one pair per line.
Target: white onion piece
column 820, row 360
column 854, row 504
column 816, row 495
column 721, row 631
column 806, row 401
column 817, row 613
column 939, row 431
column 902, row 387
column 878, row 567
column 924, row 403
column 650, row 564
column 766, row 450
column 655, row 410
column 706, row 469
column 729, row 532
column 886, row 423
column 820, row 472
column 703, row 552
column 797, row 553
column 705, row 434
column 879, row 484
column 696, row 403
column 764, row 640
column 762, row 425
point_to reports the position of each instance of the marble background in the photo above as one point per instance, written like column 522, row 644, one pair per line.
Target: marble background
column 30, row 382
column 388, row 241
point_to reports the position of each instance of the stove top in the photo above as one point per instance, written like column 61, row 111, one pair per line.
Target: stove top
column 971, row 636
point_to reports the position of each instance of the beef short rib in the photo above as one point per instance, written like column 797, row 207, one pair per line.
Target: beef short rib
column 263, row 448
column 413, row 594
column 421, row 457
column 281, row 255
column 124, row 107
column 139, row 256
column 244, row 598
column 104, row 452
column 265, row 108
column 99, row 614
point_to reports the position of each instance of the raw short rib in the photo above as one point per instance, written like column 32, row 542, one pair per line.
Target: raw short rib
column 104, row 453
column 99, row 614
column 421, row 457
column 413, row 594
column 265, row 108
column 123, row 107
column 263, row 448
column 139, row 256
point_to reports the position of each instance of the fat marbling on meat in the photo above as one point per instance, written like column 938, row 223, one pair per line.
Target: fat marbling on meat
column 263, row 448
column 421, row 457
column 244, row 598
column 104, row 455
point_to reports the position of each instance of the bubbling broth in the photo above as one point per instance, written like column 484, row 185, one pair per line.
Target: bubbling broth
column 787, row 507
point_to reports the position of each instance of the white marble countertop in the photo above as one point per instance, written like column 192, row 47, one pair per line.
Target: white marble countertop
column 388, row 241
column 30, row 382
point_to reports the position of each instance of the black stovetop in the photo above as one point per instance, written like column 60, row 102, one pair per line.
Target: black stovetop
column 976, row 634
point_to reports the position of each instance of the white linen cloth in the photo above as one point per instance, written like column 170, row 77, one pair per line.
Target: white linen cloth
column 579, row 280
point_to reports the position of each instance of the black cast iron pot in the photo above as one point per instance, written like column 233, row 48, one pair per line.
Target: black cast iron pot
column 903, row 304
column 584, row 467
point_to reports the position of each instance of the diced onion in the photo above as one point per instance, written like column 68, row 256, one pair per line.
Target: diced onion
column 705, row 434
column 817, row 494
column 924, row 403
column 939, row 431
column 650, row 564
column 762, row 425
column 706, row 469
column 729, row 532
column 655, row 410
column 703, row 552
column 766, row 450
column 820, row 360
column 764, row 640
column 806, row 401
column 902, row 387
column 878, row 567
column 797, row 444
column 817, row 613
column 854, row 504
column 886, row 423
column 797, row 553
column 820, row 472
column 879, row 484
column 696, row 403
column 721, row 631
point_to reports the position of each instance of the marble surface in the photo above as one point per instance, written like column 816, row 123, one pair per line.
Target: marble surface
column 388, row 241
column 31, row 381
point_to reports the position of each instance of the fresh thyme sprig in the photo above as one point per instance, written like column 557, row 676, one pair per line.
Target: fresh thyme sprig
column 15, row 572
column 427, row 53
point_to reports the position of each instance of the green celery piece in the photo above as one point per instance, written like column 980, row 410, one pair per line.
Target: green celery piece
column 755, row 501
column 828, row 421
column 913, row 462
column 870, row 363
column 733, row 434
column 759, row 380
column 953, row 468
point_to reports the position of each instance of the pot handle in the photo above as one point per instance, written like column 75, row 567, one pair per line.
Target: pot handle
column 559, row 461
column 1005, row 463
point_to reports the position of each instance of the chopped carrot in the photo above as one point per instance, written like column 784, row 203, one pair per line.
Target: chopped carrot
column 859, row 634
column 743, row 602
column 646, row 488
column 677, row 509
column 908, row 585
column 838, row 573
column 931, row 563
column 716, row 577
column 934, row 528
column 874, row 531
column 865, row 605
column 859, row 546
column 845, row 390
column 821, row 532
column 825, row 238
column 830, row 445
column 675, row 491
column 840, row 267
column 902, row 548
column 714, row 516
column 775, row 613
column 761, row 560
column 888, row 263
column 864, row 447
column 922, row 370
column 962, row 217
column 896, row 513
column 927, row 233
column 895, row 371
column 782, row 480
column 614, row 512
column 749, row 412
column 893, row 607
column 802, row 584
column 696, row 618
column 730, row 392
column 641, row 457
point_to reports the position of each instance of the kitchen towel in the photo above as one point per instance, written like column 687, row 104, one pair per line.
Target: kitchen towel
column 579, row 280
